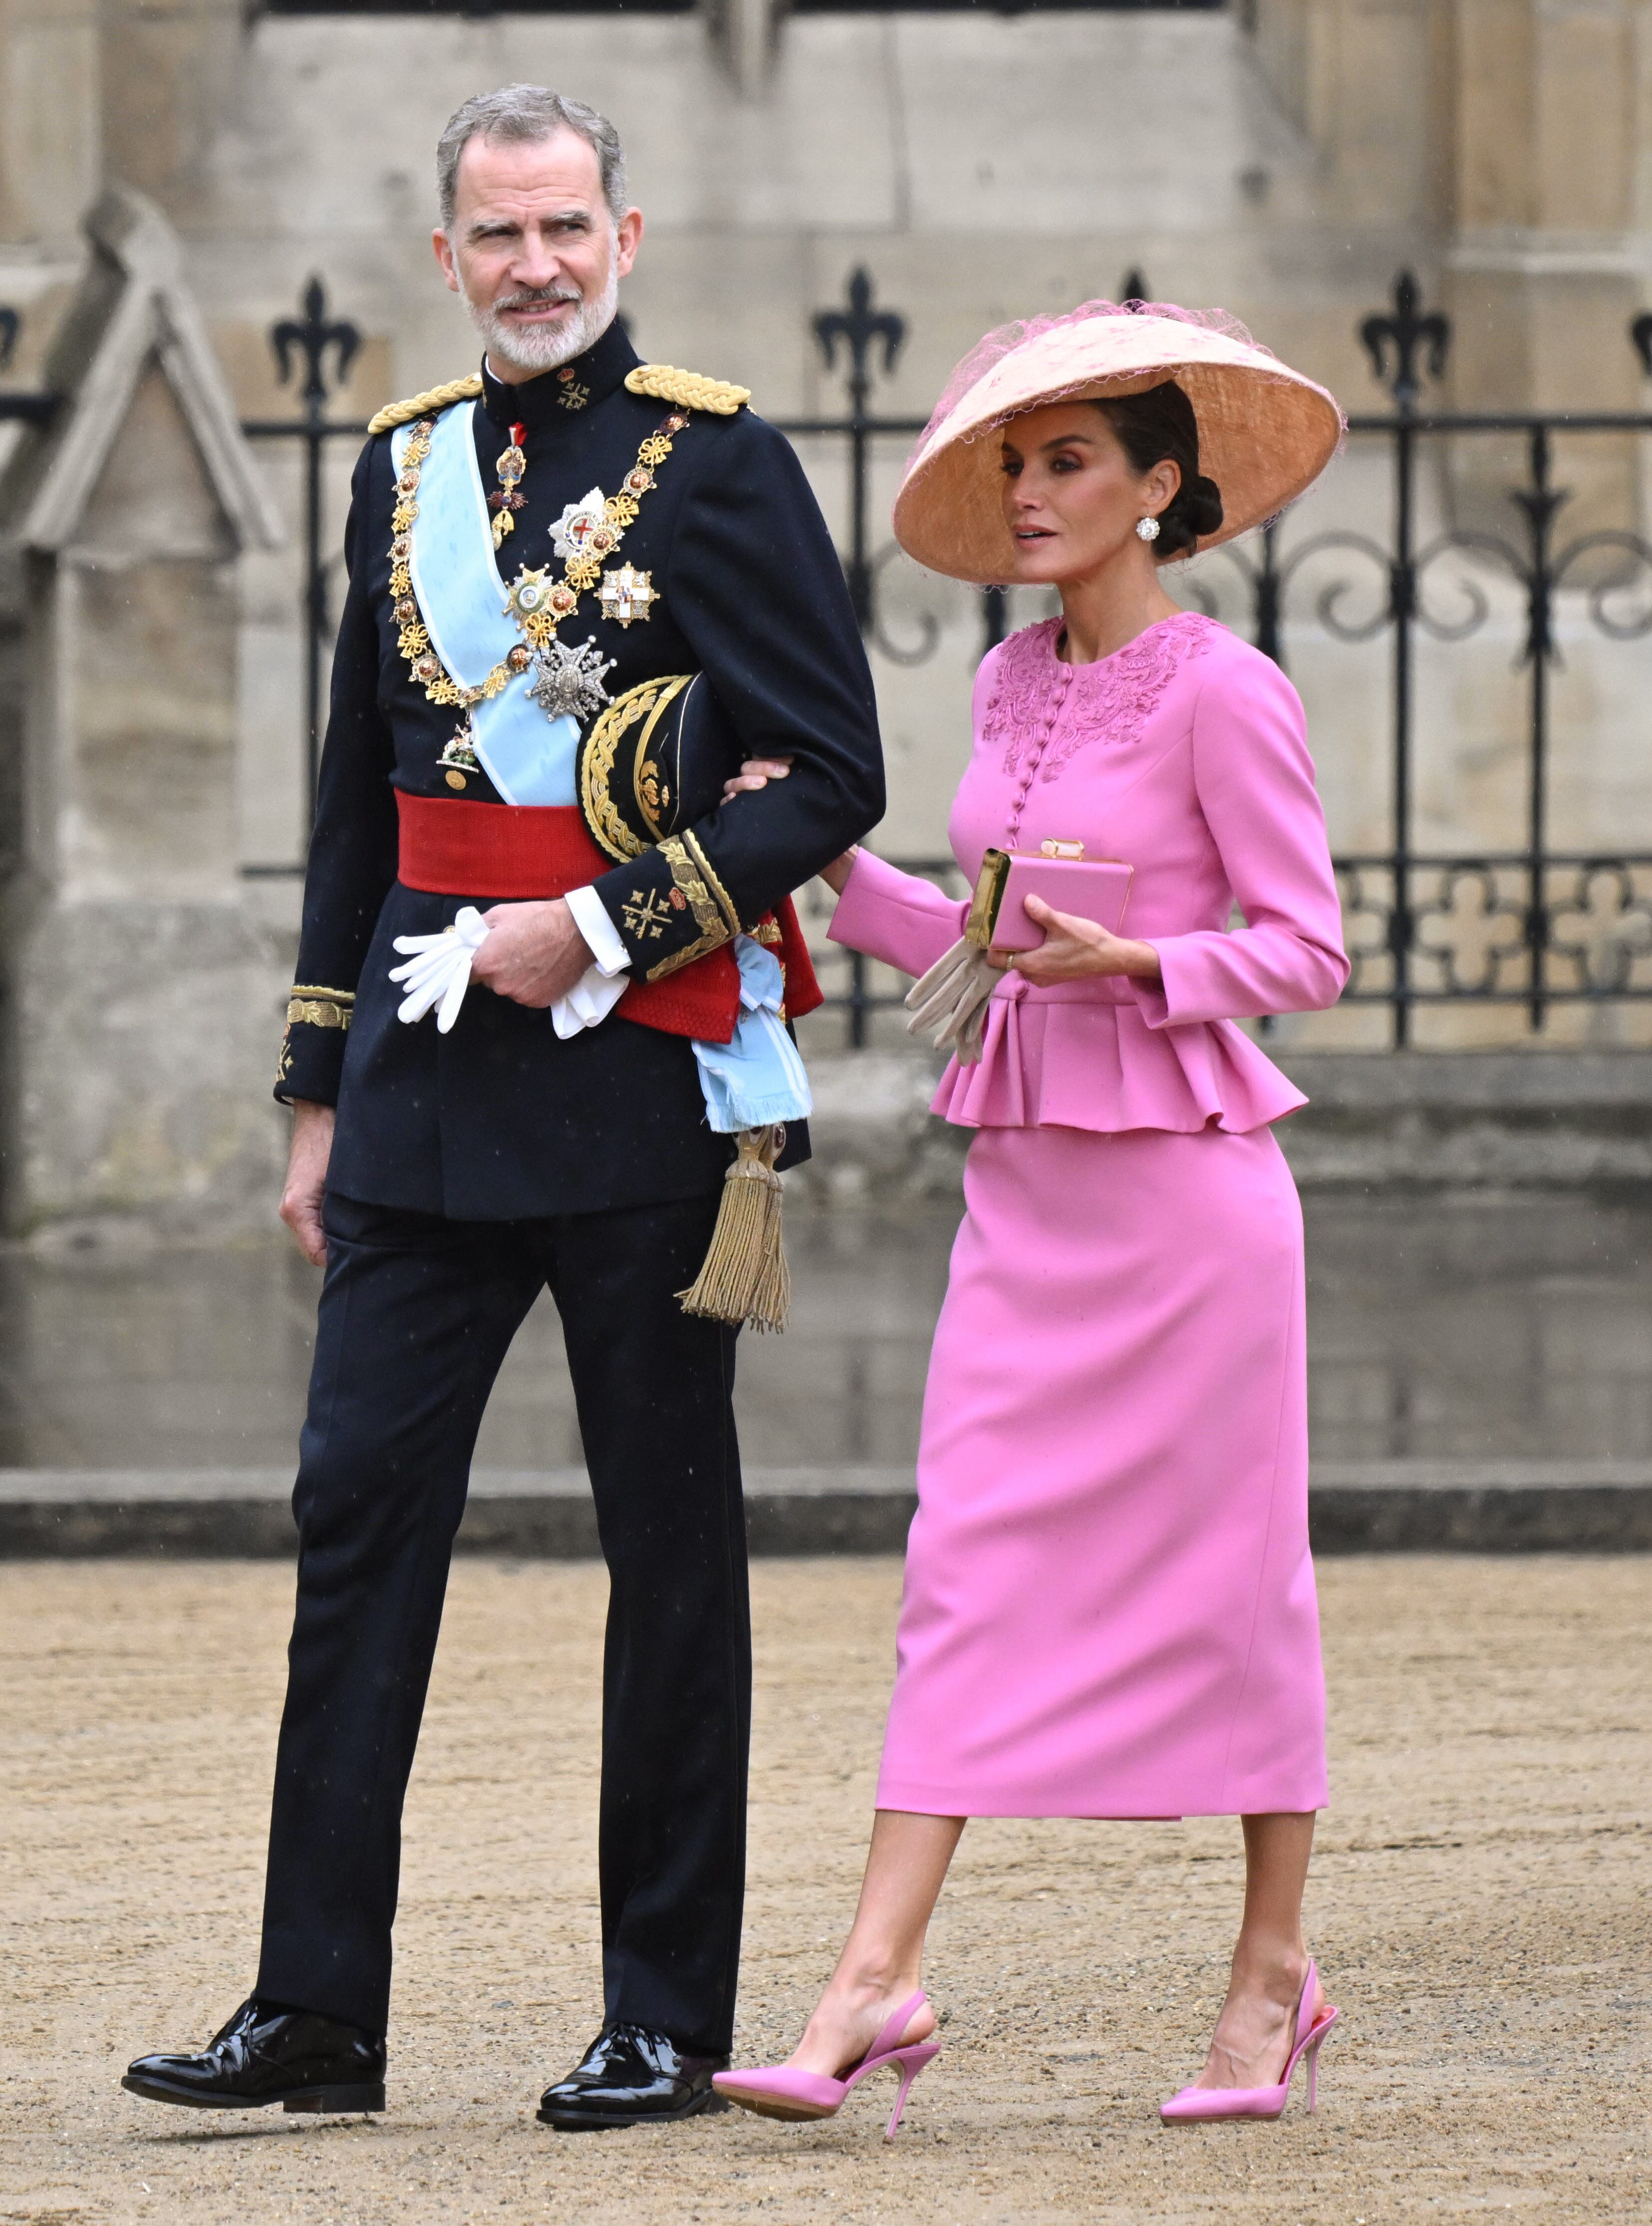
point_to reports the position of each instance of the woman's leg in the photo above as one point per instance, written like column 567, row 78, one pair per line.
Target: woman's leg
column 883, row 1957
column 1252, row 2040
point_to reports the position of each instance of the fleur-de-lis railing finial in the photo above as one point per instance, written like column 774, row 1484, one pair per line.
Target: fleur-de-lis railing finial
column 860, row 328
column 1640, row 332
column 1406, row 330
column 11, row 326
column 313, row 339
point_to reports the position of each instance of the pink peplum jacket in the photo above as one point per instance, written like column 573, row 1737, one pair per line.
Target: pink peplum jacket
column 1184, row 754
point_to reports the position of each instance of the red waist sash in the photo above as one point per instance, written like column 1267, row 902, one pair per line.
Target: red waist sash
column 523, row 851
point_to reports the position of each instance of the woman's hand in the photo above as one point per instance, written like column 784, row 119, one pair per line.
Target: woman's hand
column 836, row 875
column 1073, row 948
column 756, row 773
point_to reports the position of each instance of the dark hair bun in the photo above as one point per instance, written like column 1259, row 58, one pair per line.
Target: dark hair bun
column 1191, row 513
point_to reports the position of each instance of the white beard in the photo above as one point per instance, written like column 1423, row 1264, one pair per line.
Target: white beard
column 544, row 347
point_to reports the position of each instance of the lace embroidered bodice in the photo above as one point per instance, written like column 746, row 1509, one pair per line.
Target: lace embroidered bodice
column 1043, row 710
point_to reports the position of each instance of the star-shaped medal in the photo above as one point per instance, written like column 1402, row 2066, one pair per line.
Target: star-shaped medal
column 571, row 534
column 570, row 680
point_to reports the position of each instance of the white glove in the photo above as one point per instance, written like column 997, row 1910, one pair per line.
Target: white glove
column 951, row 999
column 441, row 969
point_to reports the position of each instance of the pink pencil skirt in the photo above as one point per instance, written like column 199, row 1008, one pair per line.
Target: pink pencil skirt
column 1109, row 1605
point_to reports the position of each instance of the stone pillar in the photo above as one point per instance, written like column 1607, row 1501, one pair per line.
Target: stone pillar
column 142, row 1003
column 50, row 155
column 1544, row 269
column 168, row 78
column 1367, row 82
column 747, row 35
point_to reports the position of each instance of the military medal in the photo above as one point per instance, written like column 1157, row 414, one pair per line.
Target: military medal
column 570, row 682
column 459, row 756
column 625, row 594
column 587, row 531
column 583, row 529
column 510, row 467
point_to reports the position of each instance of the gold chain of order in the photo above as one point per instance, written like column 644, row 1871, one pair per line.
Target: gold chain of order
column 538, row 620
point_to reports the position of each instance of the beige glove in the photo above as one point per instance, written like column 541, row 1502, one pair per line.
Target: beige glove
column 951, row 999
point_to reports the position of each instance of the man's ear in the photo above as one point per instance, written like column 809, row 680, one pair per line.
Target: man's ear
column 627, row 238
column 443, row 247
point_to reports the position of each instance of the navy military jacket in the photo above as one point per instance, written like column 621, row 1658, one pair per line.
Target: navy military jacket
column 499, row 1119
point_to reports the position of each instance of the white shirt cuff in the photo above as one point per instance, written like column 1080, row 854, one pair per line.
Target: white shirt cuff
column 600, row 934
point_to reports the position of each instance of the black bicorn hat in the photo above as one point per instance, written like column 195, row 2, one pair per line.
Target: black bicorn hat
column 654, row 762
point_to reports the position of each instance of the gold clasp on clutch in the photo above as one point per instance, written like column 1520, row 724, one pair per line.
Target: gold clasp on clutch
column 989, row 895
column 1053, row 849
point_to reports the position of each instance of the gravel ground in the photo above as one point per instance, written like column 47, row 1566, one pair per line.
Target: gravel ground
column 1479, row 1906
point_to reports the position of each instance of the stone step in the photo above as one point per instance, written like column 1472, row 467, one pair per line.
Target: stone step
column 1498, row 1505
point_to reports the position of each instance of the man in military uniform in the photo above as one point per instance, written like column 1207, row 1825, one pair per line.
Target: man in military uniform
column 504, row 738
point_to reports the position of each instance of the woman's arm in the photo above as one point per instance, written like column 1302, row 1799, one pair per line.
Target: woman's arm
column 899, row 917
column 1254, row 779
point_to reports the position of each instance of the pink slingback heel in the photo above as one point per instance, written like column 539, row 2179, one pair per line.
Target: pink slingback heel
column 1197, row 2105
column 780, row 2090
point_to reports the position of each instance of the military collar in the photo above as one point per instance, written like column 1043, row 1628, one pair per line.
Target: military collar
column 556, row 397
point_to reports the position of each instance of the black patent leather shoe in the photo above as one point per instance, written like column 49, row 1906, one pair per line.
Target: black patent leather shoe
column 630, row 2077
column 295, row 2057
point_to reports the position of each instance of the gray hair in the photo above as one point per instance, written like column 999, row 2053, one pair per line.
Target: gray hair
column 527, row 114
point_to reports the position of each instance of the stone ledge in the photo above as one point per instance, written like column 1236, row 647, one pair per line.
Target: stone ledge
column 1376, row 1120
column 1387, row 1506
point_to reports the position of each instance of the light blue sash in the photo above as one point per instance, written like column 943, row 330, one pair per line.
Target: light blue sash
column 528, row 758
column 759, row 1077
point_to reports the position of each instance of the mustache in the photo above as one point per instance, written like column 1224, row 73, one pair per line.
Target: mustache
column 534, row 297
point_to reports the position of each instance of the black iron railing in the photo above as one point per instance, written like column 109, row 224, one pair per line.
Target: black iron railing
column 1524, row 925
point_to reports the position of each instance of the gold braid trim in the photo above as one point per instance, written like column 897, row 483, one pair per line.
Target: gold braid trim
column 322, row 1008
column 690, row 389
column 697, row 852
column 649, row 699
column 426, row 404
column 713, row 932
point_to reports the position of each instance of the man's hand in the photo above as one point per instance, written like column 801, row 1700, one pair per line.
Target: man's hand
column 533, row 953
column 301, row 1198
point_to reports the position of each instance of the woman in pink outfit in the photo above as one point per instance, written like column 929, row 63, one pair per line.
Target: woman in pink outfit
column 1109, row 1606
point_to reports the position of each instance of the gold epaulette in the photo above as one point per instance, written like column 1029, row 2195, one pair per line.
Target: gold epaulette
column 688, row 389
column 428, row 404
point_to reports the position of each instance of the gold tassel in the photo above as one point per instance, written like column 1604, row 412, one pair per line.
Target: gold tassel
column 744, row 1277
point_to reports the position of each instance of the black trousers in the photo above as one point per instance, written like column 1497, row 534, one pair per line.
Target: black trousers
column 416, row 1315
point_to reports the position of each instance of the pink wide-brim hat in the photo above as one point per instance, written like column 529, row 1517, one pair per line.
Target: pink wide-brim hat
column 1266, row 432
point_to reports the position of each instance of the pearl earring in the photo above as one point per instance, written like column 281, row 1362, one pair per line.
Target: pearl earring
column 1147, row 529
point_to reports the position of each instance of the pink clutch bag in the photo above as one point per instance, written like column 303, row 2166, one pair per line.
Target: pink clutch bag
column 1092, row 889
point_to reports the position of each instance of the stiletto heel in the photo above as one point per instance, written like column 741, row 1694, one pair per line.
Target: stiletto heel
column 1198, row 2105
column 912, row 2062
column 781, row 2090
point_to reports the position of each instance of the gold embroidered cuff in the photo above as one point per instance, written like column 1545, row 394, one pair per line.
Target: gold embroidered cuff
column 725, row 903
column 687, row 881
column 320, row 1008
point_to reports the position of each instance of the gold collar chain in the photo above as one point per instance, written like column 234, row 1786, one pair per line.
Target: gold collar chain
column 537, row 607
